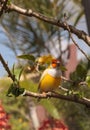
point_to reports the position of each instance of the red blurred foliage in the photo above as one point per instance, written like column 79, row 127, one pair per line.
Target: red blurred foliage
column 53, row 124
column 4, row 118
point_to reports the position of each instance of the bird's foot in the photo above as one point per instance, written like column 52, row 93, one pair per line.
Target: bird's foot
column 44, row 94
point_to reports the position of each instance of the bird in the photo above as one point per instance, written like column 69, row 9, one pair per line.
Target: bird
column 50, row 78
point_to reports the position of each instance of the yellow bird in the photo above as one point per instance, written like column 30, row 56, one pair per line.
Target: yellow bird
column 51, row 77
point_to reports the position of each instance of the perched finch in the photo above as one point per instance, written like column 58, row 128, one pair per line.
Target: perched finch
column 51, row 77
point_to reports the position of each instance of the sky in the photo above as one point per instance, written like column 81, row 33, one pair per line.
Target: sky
column 82, row 26
column 10, row 58
column 7, row 54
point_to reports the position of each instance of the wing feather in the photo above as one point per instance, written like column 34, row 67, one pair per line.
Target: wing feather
column 42, row 77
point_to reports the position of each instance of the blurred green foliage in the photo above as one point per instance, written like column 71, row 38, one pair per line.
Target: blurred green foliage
column 77, row 116
column 15, row 107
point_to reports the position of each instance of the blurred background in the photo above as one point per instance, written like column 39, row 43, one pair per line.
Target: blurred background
column 27, row 35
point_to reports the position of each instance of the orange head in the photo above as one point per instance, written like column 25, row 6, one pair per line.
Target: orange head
column 55, row 63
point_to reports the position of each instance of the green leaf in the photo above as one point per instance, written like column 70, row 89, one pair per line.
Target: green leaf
column 17, row 72
column 20, row 74
column 78, row 17
column 42, row 67
column 27, row 57
column 81, row 70
column 15, row 90
column 88, row 80
column 9, row 91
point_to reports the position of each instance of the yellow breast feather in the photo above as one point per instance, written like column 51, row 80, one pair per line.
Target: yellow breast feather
column 47, row 82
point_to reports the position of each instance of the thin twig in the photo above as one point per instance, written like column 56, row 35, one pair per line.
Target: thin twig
column 64, row 89
column 65, row 79
column 74, row 40
column 79, row 48
column 7, row 68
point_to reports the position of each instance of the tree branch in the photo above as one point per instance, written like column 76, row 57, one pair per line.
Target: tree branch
column 28, row 12
column 7, row 68
column 72, row 98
